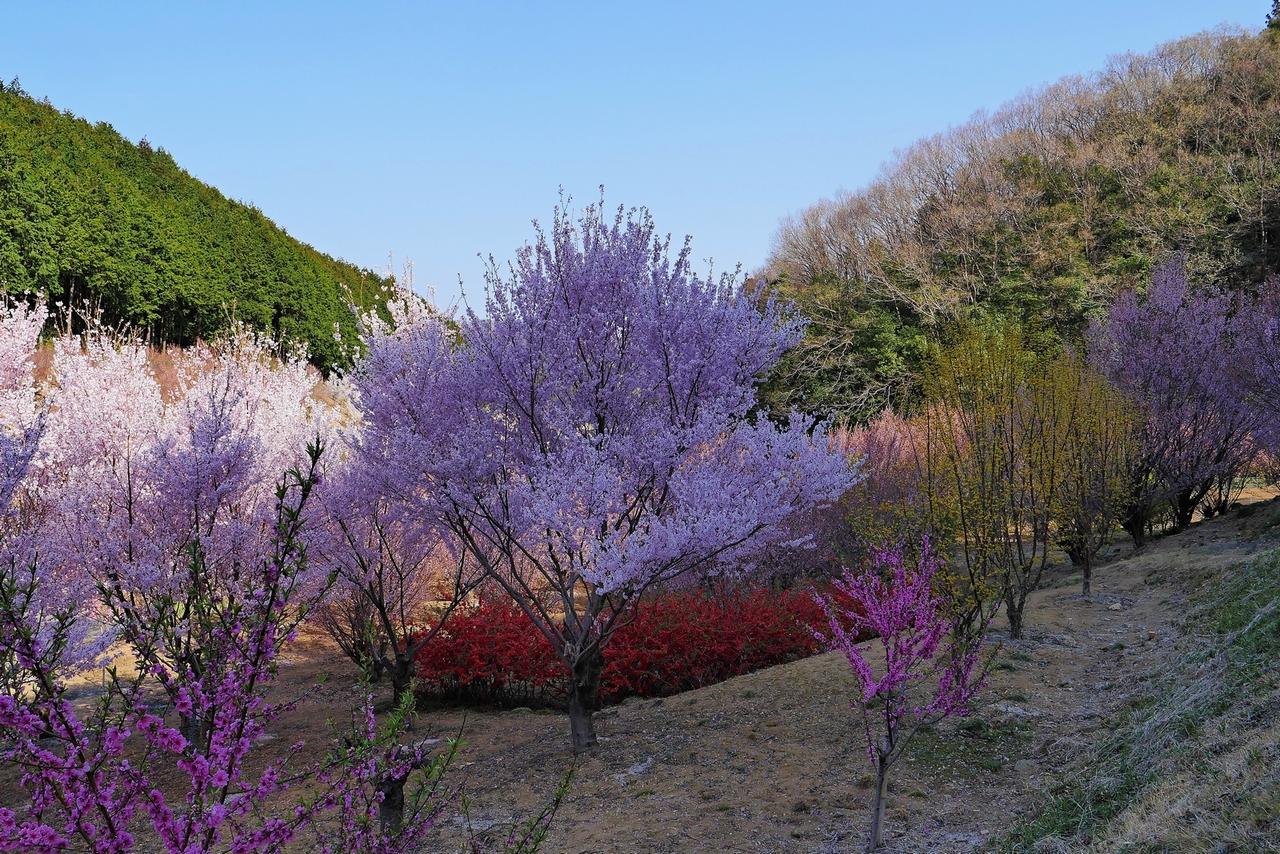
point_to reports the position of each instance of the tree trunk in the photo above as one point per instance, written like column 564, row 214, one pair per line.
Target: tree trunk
column 1013, row 610
column 391, row 808
column 876, row 837
column 1137, row 530
column 1184, row 507
column 1086, row 575
column 401, row 672
column 584, row 687
column 1134, row 522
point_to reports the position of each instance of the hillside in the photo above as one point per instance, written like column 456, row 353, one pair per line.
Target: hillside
column 87, row 214
column 1040, row 212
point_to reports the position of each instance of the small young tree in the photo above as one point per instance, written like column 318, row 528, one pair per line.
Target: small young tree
column 398, row 578
column 593, row 434
column 913, row 673
column 1100, row 442
column 992, row 456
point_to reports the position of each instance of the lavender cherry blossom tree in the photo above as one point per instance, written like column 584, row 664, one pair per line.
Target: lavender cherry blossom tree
column 594, row 433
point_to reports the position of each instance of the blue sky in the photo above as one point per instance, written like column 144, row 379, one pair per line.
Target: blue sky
column 438, row 131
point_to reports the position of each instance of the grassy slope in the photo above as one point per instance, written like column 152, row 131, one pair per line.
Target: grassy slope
column 1193, row 761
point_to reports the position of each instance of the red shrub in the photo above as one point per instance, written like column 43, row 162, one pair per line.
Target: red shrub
column 491, row 652
column 682, row 641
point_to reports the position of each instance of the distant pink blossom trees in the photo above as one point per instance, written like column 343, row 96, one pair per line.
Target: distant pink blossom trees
column 593, row 434
column 915, row 671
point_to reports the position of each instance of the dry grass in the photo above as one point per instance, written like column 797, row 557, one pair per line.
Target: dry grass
column 1192, row 763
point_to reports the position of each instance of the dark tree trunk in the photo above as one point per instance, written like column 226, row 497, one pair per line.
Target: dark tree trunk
column 1184, row 507
column 391, row 808
column 401, row 672
column 1086, row 575
column 1013, row 604
column 1135, row 525
column 584, row 690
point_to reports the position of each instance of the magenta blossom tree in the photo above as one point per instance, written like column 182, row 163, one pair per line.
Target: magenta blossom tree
column 913, row 672
column 1176, row 353
column 593, row 434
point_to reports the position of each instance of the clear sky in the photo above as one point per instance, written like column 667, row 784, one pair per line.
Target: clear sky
column 439, row 130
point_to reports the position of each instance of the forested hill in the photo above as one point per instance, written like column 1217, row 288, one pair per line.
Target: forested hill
column 1040, row 212
column 85, row 213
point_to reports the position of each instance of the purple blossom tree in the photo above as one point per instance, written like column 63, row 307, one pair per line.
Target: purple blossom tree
column 914, row 671
column 1176, row 354
column 593, row 434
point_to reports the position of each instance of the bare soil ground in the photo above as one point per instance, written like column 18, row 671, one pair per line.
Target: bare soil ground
column 773, row 761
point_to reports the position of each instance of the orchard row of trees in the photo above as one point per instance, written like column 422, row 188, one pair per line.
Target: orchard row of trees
column 1014, row 451
column 172, row 520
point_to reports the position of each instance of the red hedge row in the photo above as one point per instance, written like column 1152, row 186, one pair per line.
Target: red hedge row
column 492, row 653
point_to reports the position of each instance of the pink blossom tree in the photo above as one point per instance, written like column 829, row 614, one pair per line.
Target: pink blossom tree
column 20, row 327
column 913, row 672
column 593, row 434
column 158, row 504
